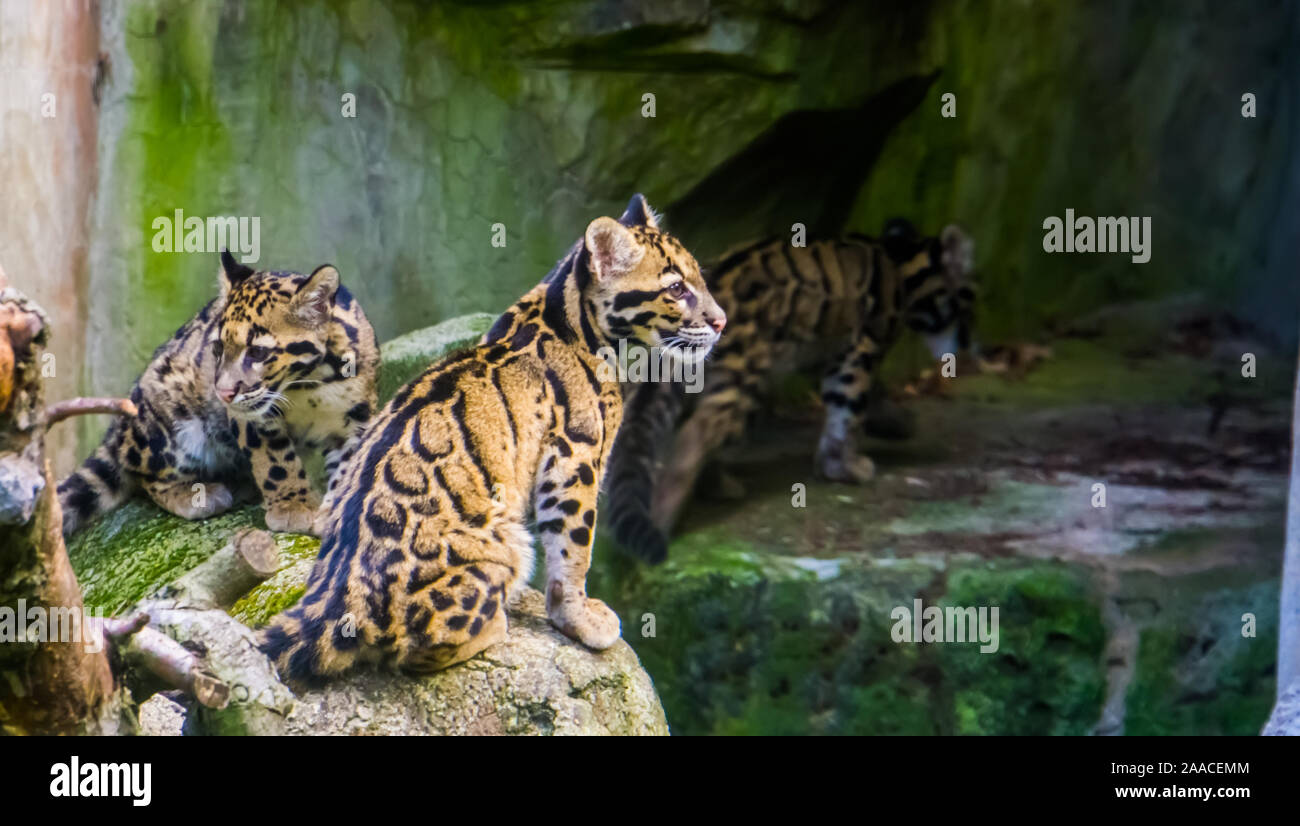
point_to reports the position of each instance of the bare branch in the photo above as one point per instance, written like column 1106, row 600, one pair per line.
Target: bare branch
column 121, row 629
column 177, row 667
column 87, row 406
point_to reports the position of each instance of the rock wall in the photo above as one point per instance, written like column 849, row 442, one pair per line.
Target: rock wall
column 767, row 112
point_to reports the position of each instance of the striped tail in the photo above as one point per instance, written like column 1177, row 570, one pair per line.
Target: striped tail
column 292, row 643
column 315, row 638
column 98, row 486
column 648, row 422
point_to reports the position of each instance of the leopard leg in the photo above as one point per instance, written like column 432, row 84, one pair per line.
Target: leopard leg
column 565, row 505
column 845, row 392
column 290, row 502
column 455, row 617
column 717, row 418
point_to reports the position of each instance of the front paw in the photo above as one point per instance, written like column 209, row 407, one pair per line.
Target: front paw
column 291, row 517
column 589, row 621
column 197, row 501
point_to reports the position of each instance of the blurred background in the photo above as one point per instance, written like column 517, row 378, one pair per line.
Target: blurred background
column 766, row 113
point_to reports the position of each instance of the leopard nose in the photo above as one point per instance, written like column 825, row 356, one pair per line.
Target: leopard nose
column 227, row 394
column 717, row 322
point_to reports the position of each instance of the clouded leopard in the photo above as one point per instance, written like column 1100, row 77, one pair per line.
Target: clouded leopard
column 278, row 363
column 426, row 536
column 790, row 307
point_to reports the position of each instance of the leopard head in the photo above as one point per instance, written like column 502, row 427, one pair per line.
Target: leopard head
column 272, row 332
column 939, row 282
column 646, row 288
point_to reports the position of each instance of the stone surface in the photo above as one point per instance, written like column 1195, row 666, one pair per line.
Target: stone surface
column 406, row 356
column 131, row 552
column 536, row 682
column 161, row 717
column 470, row 115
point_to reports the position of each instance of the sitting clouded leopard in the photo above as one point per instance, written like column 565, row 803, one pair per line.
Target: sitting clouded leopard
column 277, row 364
column 426, row 536
column 790, row 307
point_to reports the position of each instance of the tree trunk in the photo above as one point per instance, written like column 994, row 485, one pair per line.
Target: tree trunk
column 57, row 681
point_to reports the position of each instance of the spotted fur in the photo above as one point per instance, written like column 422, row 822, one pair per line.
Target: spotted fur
column 279, row 363
column 427, row 536
column 789, row 307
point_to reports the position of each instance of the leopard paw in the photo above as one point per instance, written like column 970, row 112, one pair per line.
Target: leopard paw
column 194, row 501
column 589, row 621
column 291, row 517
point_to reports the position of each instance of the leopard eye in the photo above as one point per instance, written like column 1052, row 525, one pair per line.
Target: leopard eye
column 677, row 289
column 217, row 348
column 258, row 353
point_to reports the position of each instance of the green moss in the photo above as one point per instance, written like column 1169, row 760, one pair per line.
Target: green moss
column 283, row 589
column 405, row 357
column 1046, row 676
column 1089, row 371
column 138, row 548
column 1196, row 671
column 750, row 642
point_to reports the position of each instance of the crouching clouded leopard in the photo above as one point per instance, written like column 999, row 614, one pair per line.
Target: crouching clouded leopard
column 790, row 307
column 277, row 364
column 426, row 537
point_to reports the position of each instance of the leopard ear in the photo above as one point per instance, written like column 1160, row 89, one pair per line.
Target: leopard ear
column 232, row 272
column 639, row 214
column 314, row 302
column 614, row 250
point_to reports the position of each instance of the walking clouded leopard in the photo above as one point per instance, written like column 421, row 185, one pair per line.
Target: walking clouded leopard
column 277, row 364
column 789, row 307
column 426, row 536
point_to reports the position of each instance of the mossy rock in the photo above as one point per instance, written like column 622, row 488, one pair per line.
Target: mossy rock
column 133, row 551
column 1201, row 669
column 406, row 356
column 1046, row 676
column 747, row 642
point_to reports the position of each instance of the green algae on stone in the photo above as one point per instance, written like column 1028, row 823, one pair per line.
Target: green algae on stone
column 285, row 587
column 473, row 114
column 406, row 356
column 136, row 549
column 748, row 642
column 1197, row 672
column 1046, row 676
column 743, row 643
